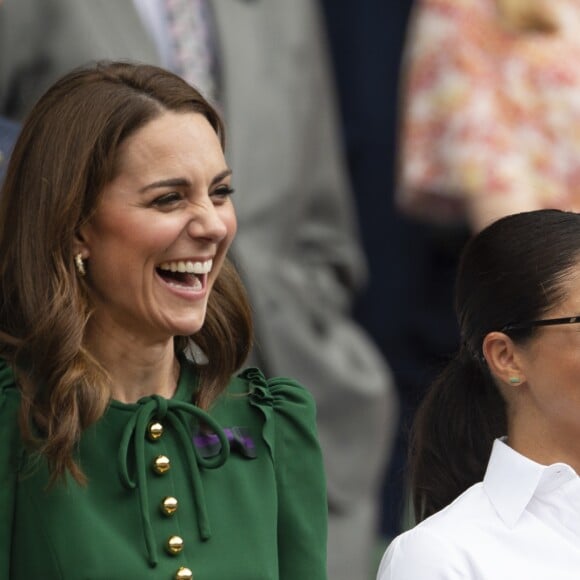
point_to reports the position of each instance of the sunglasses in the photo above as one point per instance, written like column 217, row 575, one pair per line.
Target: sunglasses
column 547, row 322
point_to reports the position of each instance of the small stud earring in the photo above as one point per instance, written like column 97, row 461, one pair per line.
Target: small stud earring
column 80, row 264
column 515, row 380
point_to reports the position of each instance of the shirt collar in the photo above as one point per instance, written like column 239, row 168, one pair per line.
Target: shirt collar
column 512, row 480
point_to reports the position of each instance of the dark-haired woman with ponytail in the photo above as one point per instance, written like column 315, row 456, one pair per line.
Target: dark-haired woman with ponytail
column 495, row 455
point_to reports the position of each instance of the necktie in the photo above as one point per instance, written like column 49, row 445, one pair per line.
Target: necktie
column 192, row 36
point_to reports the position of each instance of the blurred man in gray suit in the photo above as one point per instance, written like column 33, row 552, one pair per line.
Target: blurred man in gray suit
column 297, row 246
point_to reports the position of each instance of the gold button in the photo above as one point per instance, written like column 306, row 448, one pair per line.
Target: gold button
column 184, row 574
column 155, row 431
column 169, row 506
column 174, row 545
column 161, row 464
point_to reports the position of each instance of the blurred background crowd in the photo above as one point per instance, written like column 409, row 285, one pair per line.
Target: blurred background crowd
column 367, row 141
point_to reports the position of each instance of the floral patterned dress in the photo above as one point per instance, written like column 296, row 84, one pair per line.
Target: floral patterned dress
column 488, row 111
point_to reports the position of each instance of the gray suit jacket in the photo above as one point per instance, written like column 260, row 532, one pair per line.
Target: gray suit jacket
column 40, row 40
column 297, row 244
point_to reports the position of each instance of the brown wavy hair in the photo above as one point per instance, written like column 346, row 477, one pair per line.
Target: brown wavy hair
column 65, row 155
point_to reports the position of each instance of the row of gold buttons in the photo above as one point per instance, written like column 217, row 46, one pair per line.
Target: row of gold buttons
column 161, row 465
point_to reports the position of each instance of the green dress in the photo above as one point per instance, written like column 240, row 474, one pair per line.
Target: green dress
column 245, row 503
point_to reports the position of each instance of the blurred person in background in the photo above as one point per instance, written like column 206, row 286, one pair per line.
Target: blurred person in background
column 489, row 109
column 459, row 58
column 407, row 304
column 298, row 245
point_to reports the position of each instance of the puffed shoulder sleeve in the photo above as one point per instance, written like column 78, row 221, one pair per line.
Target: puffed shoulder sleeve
column 290, row 432
column 421, row 555
column 9, row 445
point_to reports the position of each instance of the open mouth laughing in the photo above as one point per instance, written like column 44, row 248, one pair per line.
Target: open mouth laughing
column 185, row 274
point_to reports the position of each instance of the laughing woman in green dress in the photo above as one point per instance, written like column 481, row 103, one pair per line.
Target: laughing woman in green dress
column 131, row 446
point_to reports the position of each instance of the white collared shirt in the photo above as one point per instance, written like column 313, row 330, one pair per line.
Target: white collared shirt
column 521, row 523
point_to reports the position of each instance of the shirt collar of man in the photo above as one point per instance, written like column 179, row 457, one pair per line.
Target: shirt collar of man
column 512, row 480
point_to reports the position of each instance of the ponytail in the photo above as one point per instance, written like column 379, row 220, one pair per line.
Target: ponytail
column 453, row 432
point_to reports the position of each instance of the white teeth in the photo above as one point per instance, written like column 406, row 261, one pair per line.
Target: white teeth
column 189, row 266
column 197, row 285
column 200, row 267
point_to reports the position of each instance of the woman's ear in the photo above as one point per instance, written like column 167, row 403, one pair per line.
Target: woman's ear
column 80, row 245
column 503, row 358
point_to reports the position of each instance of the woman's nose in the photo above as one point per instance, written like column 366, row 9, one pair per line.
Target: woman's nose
column 207, row 222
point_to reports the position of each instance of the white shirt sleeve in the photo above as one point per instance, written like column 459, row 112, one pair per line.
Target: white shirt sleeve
column 421, row 555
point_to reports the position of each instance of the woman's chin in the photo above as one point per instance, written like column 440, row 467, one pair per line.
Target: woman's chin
column 187, row 328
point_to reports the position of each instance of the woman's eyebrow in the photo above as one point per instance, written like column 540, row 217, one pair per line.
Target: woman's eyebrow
column 222, row 175
column 182, row 182
column 173, row 182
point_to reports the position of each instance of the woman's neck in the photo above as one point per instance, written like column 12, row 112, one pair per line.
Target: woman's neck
column 136, row 368
column 546, row 446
